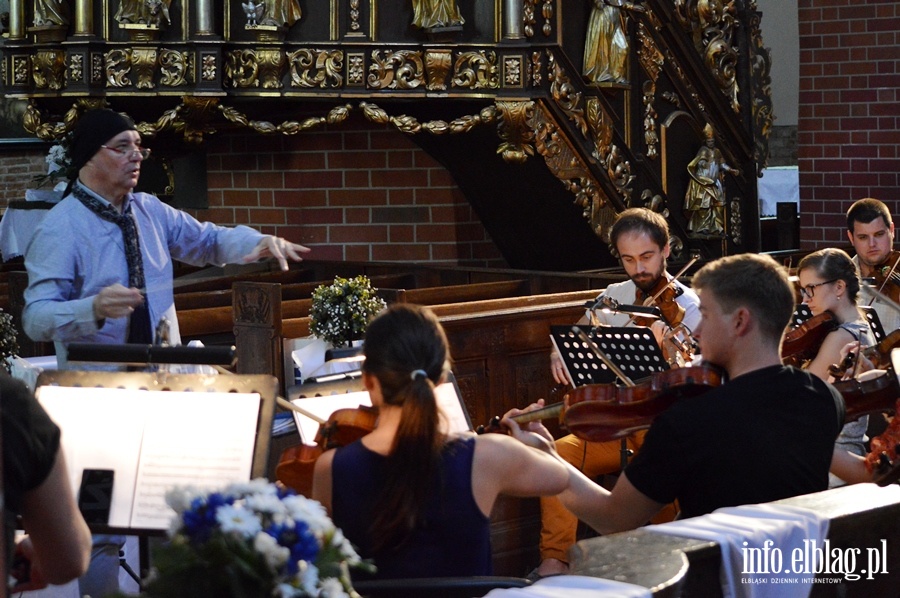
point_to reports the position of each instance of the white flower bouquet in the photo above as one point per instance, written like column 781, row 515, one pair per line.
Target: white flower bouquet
column 255, row 540
column 341, row 311
column 9, row 345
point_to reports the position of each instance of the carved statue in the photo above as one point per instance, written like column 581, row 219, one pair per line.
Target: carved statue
column 606, row 45
column 281, row 13
column 428, row 14
column 253, row 12
column 51, row 12
column 705, row 197
column 147, row 12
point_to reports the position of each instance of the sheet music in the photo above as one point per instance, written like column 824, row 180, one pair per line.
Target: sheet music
column 453, row 417
column 153, row 440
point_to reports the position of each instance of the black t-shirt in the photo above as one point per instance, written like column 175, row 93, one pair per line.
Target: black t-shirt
column 763, row 436
column 30, row 444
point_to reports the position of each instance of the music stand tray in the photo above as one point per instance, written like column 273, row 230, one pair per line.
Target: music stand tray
column 634, row 350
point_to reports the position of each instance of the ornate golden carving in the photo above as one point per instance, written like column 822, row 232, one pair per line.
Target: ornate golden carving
column 565, row 94
column 76, row 67
column 402, row 69
column 437, row 66
column 208, row 67
column 618, row 169
column 174, row 67
column 528, row 17
column 547, row 13
column 242, row 68
column 33, row 122
column 272, row 64
column 356, row 69
column 354, row 15
column 408, row 124
column 651, row 138
column 476, row 70
column 118, row 67
column 316, row 68
column 290, row 127
column 537, row 69
column 711, row 25
column 512, row 71
column 566, row 165
column 96, row 67
column 649, row 55
column 761, row 65
column 144, row 61
column 49, row 69
column 735, row 221
column 21, row 69
column 515, row 130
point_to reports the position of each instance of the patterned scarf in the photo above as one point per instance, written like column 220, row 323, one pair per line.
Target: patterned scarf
column 139, row 327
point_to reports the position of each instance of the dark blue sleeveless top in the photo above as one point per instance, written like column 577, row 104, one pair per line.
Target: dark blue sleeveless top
column 453, row 540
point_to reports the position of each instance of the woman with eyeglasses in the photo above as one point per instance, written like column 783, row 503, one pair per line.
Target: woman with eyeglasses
column 829, row 281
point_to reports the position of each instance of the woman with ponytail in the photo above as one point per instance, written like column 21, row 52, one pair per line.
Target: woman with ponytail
column 409, row 496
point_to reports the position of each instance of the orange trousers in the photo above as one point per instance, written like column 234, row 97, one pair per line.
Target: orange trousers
column 558, row 524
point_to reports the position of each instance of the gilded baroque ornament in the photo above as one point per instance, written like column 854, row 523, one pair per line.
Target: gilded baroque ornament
column 566, row 165
column 20, row 69
column 272, row 64
column 565, row 94
column 76, row 67
column 242, row 69
column 649, row 55
column 711, row 25
column 96, row 67
column 316, row 68
column 512, row 71
column 608, row 154
column 49, row 70
column 208, row 67
column 437, row 67
column 528, row 17
column 356, row 69
column 476, row 70
column 735, row 221
column 515, row 131
column 402, row 69
column 336, row 115
column 408, row 124
column 761, row 65
column 547, row 13
column 537, row 69
column 174, row 67
column 651, row 137
column 143, row 62
column 118, row 67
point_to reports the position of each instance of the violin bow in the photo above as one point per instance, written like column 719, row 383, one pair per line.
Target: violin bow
column 881, row 288
column 877, row 294
column 602, row 356
column 694, row 258
column 288, row 405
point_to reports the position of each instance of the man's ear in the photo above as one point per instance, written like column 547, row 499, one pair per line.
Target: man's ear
column 742, row 319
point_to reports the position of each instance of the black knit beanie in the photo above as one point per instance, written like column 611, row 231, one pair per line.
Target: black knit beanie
column 94, row 129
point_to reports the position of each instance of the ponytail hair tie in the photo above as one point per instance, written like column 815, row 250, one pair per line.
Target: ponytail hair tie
column 414, row 375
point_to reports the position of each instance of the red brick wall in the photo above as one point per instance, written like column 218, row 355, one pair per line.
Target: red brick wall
column 849, row 111
column 353, row 192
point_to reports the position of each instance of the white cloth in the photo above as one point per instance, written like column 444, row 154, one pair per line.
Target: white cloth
column 573, row 586
column 738, row 529
column 624, row 294
column 16, row 229
column 777, row 184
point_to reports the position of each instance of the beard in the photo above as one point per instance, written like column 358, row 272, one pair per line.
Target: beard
column 646, row 282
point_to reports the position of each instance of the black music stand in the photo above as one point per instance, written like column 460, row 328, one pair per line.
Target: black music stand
column 634, row 350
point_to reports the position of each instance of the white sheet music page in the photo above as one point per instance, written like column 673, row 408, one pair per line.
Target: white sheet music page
column 153, row 441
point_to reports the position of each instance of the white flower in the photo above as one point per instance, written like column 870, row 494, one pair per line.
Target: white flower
column 239, row 520
column 286, row 590
column 312, row 512
column 265, row 503
column 275, row 555
column 308, row 576
column 346, row 548
column 332, row 588
column 256, row 486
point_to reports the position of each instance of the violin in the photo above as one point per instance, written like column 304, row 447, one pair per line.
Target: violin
column 879, row 354
column 663, row 295
column 600, row 412
column 344, row 426
column 802, row 343
column 887, row 276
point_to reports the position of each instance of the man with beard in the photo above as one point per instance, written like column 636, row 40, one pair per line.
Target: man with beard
column 641, row 240
column 871, row 231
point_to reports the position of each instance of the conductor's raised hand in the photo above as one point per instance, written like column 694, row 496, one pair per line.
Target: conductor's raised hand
column 278, row 248
column 116, row 301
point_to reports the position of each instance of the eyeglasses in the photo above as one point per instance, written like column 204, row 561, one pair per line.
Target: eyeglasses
column 130, row 153
column 809, row 291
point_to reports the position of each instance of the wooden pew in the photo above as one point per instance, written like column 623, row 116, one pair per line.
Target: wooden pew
column 861, row 516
